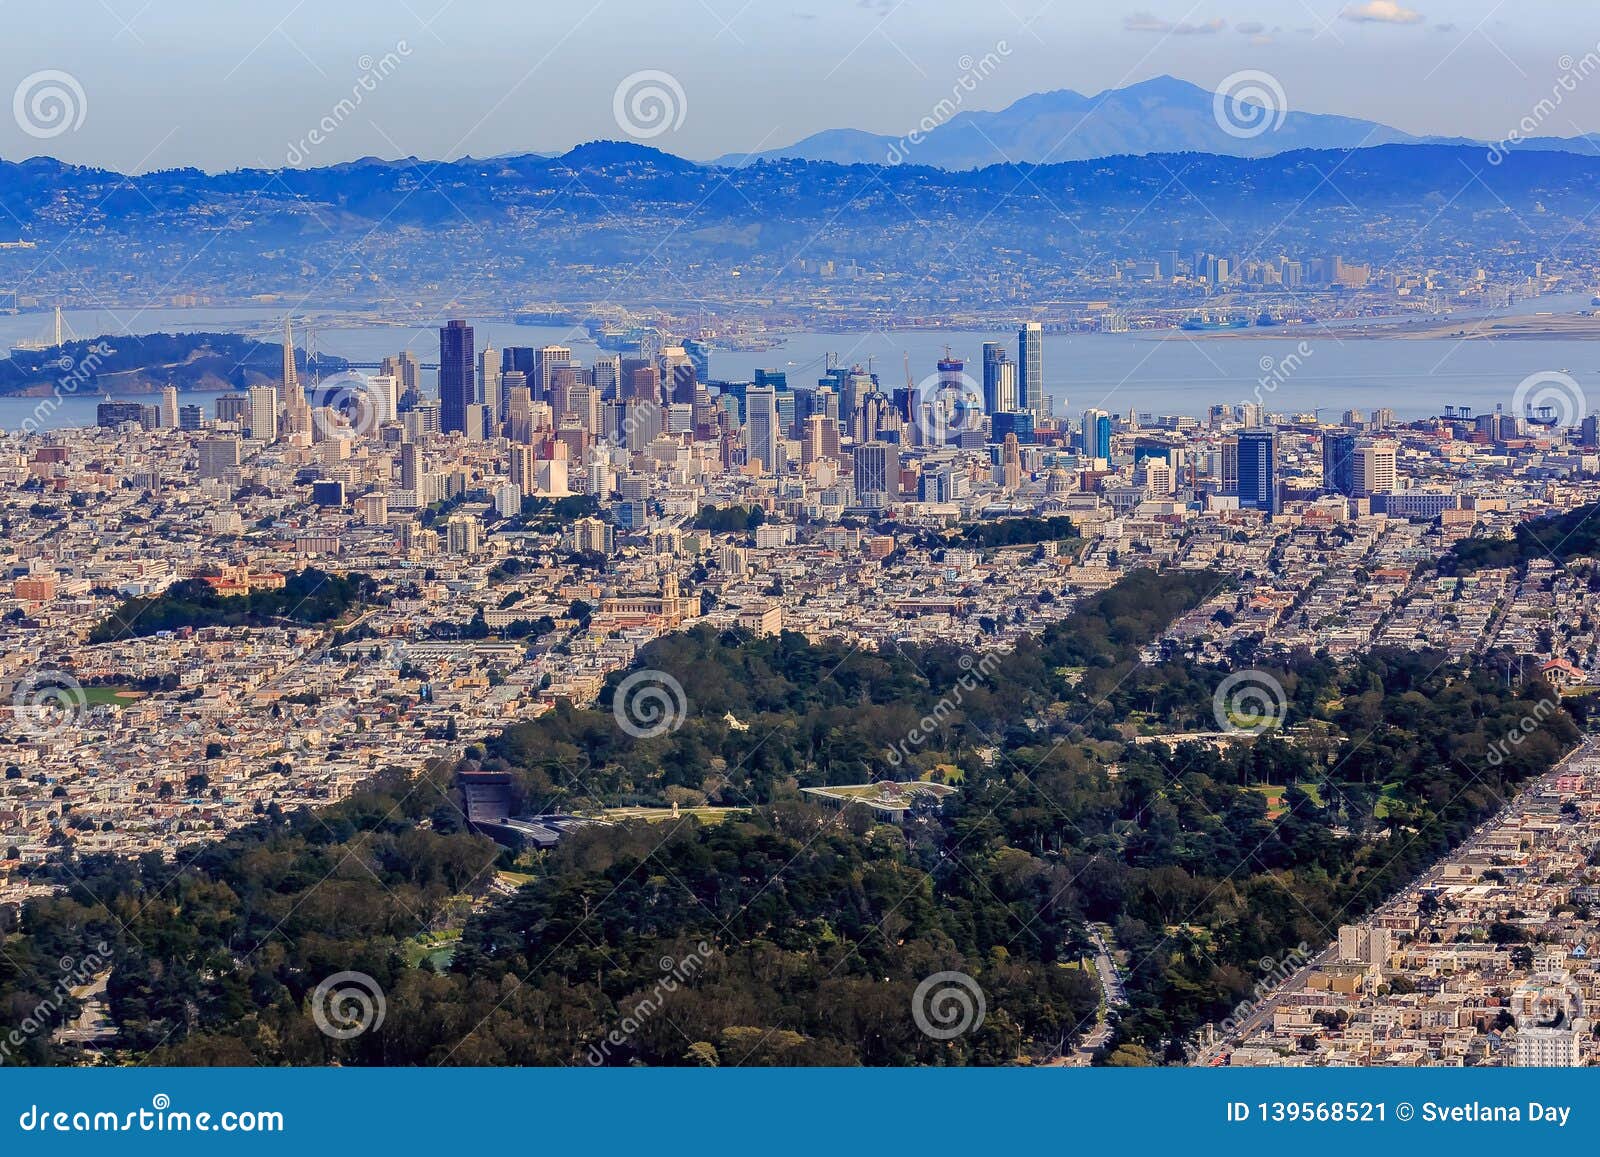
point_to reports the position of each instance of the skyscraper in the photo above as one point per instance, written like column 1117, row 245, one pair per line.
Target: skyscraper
column 410, row 465
column 1030, row 360
column 1258, row 471
column 761, row 426
column 217, row 456
column 290, row 378
column 1338, row 461
column 999, row 379
column 1373, row 467
column 872, row 469
column 456, row 386
column 489, row 383
column 545, row 360
column 1096, row 436
column 264, row 413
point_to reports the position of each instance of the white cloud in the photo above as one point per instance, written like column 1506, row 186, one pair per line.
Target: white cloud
column 1380, row 12
column 1145, row 22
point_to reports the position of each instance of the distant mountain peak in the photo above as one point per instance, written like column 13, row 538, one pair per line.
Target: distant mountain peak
column 1162, row 114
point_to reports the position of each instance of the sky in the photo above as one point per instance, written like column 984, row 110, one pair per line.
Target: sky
column 136, row 85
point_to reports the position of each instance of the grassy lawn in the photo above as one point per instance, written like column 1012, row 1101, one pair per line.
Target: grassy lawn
column 439, row 947
column 114, row 696
column 1275, row 794
column 1381, row 808
column 655, row 815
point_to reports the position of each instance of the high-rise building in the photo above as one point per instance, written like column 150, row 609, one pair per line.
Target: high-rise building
column 1548, row 1048
column 1365, row 944
column 169, row 407
column 999, row 379
column 761, row 430
column 456, row 372
column 545, row 361
column 1258, row 471
column 1030, row 362
column 489, row 383
column 876, row 464
column 606, row 374
column 410, row 465
column 1338, row 463
column 383, row 393
column 263, row 417
column 463, row 534
column 1373, row 469
column 1095, row 439
column 218, row 456
column 1010, row 464
column 291, row 378
column 407, row 373
column 520, row 469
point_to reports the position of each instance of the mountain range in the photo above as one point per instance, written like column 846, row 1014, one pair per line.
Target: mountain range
column 1162, row 115
column 621, row 222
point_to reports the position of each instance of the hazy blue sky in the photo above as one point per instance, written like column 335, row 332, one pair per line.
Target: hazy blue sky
column 225, row 83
